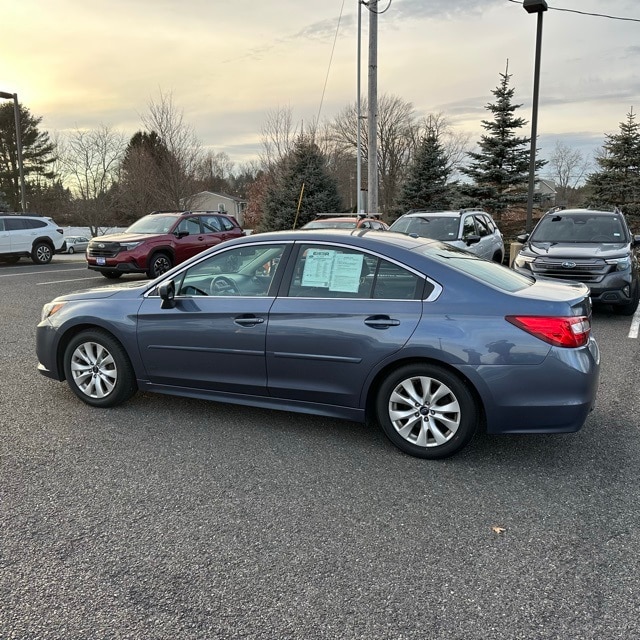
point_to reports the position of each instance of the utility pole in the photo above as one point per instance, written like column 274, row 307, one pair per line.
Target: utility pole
column 373, row 108
column 360, row 204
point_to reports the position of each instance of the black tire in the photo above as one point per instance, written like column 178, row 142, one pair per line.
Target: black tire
column 498, row 257
column 111, row 275
column 98, row 369
column 630, row 308
column 409, row 408
column 160, row 263
column 70, row 250
column 42, row 253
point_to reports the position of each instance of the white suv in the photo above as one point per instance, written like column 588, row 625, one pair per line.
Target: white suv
column 31, row 236
column 471, row 229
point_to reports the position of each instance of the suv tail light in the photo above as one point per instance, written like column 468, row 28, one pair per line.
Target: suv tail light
column 572, row 331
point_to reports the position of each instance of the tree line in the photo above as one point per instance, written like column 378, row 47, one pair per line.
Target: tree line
column 99, row 178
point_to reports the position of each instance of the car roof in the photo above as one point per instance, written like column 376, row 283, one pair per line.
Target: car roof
column 441, row 214
column 581, row 212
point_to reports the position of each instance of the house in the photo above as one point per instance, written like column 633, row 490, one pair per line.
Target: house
column 210, row 201
column 544, row 192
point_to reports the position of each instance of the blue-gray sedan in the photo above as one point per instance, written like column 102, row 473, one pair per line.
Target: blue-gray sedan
column 428, row 340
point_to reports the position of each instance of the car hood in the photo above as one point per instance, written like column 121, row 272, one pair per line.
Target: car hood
column 128, row 289
column 576, row 249
column 121, row 237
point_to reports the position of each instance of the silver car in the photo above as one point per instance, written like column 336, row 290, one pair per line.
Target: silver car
column 471, row 229
column 76, row 244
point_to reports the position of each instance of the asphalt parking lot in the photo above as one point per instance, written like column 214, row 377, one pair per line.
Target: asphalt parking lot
column 170, row 518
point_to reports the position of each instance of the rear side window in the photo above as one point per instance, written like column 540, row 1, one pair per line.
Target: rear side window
column 35, row 224
column 323, row 271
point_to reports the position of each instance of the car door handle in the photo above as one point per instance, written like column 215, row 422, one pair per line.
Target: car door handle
column 381, row 322
column 248, row 321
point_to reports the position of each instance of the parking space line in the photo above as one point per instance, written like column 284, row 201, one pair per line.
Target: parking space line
column 635, row 324
column 37, row 273
column 39, row 284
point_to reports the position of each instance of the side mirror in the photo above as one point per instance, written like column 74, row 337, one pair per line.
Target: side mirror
column 167, row 292
column 181, row 234
column 472, row 239
column 523, row 237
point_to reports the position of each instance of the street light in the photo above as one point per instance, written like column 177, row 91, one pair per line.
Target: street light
column 16, row 112
column 539, row 7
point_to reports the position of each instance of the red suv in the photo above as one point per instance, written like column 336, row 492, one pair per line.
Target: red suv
column 157, row 242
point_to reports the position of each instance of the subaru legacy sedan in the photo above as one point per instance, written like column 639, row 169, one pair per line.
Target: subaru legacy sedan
column 427, row 340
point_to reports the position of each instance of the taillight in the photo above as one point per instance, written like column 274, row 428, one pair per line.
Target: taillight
column 571, row 331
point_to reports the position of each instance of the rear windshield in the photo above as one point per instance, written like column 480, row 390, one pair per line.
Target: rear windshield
column 494, row 274
column 585, row 227
column 435, row 227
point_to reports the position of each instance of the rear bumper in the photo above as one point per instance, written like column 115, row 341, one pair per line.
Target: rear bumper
column 557, row 398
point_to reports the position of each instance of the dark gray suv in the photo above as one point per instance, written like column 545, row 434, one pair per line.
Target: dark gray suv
column 589, row 246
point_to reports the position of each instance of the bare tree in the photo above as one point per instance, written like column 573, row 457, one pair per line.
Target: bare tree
column 567, row 168
column 176, row 175
column 89, row 162
column 278, row 137
column 215, row 172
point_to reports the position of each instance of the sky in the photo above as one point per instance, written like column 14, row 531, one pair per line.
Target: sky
column 84, row 64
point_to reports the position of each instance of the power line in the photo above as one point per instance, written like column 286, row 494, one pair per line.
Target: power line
column 326, row 80
column 586, row 13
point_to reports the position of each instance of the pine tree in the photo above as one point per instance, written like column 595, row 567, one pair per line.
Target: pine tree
column 37, row 153
column 426, row 184
column 500, row 170
column 304, row 166
column 618, row 181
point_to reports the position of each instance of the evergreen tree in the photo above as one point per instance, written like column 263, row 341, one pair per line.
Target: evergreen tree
column 500, row 169
column 618, row 181
column 37, row 153
column 426, row 183
column 306, row 166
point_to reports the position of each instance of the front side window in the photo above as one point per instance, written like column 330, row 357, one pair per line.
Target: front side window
column 323, row 271
column 241, row 271
column 469, row 227
column 190, row 226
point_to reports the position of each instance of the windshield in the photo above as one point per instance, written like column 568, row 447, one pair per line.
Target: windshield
column 152, row 224
column 435, row 227
column 574, row 228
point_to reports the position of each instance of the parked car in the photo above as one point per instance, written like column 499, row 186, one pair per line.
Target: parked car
column 589, row 246
column 428, row 340
column 35, row 237
column 77, row 244
column 347, row 221
column 471, row 229
column 155, row 243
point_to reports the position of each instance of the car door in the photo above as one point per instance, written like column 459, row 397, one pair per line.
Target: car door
column 5, row 238
column 20, row 234
column 340, row 313
column 214, row 337
column 189, row 239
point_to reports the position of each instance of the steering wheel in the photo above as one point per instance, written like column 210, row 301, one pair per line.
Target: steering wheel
column 221, row 285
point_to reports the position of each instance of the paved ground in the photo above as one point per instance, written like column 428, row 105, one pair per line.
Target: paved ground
column 175, row 519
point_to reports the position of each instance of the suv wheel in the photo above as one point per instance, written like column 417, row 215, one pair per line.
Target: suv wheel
column 160, row 263
column 42, row 253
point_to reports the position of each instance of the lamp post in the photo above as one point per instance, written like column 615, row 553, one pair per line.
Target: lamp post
column 16, row 111
column 539, row 7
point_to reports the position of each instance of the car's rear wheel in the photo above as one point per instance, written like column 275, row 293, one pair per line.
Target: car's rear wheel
column 41, row 253
column 630, row 308
column 498, row 257
column 98, row 369
column 160, row 263
column 112, row 275
column 70, row 250
column 427, row 411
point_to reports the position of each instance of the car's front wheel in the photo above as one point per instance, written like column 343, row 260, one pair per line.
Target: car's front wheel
column 427, row 411
column 41, row 253
column 70, row 250
column 98, row 369
column 160, row 263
